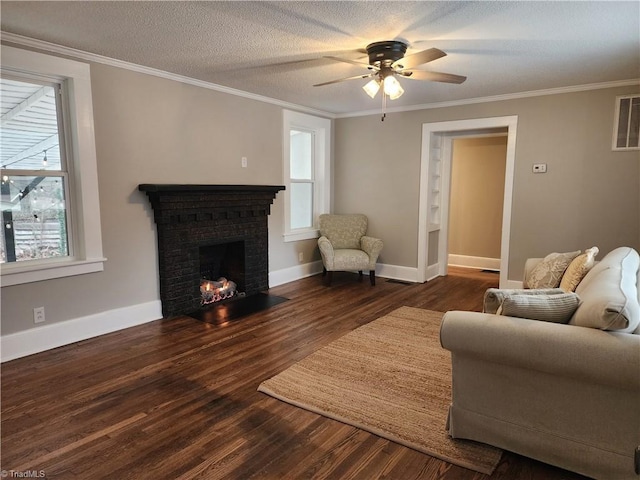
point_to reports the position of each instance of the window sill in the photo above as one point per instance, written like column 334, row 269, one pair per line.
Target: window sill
column 301, row 235
column 19, row 274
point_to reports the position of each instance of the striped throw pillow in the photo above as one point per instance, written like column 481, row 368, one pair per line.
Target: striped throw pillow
column 548, row 308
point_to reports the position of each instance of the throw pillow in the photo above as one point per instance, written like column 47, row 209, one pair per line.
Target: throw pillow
column 548, row 308
column 577, row 269
column 548, row 273
column 494, row 297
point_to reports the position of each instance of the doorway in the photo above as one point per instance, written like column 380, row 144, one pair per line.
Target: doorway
column 476, row 201
column 435, row 183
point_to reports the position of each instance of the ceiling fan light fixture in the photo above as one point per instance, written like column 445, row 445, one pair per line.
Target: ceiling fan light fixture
column 392, row 87
column 372, row 87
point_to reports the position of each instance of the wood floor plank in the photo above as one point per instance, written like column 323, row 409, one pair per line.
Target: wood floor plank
column 177, row 398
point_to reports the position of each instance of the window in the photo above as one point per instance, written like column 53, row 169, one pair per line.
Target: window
column 34, row 181
column 49, row 191
column 626, row 132
column 307, row 143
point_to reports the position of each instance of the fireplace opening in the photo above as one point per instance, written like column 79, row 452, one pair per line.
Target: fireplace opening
column 222, row 272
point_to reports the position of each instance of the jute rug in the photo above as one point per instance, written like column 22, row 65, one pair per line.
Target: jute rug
column 391, row 378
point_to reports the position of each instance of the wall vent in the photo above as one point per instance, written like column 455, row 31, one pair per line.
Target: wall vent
column 626, row 132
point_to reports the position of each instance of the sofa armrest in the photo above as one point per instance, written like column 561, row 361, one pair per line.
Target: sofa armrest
column 589, row 354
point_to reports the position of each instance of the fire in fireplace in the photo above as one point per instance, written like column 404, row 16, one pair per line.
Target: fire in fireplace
column 217, row 263
column 213, row 291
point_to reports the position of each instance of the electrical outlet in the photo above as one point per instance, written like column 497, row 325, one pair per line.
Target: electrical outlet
column 244, row 162
column 300, row 256
column 539, row 168
column 38, row 315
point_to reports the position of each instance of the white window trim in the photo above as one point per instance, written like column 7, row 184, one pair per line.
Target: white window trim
column 321, row 127
column 85, row 208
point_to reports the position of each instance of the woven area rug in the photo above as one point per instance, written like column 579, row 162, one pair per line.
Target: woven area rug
column 391, row 378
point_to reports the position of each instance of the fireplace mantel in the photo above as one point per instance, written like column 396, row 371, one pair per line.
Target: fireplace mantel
column 161, row 187
column 189, row 217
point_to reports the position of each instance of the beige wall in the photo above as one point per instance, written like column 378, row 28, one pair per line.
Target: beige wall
column 153, row 130
column 589, row 196
column 477, row 196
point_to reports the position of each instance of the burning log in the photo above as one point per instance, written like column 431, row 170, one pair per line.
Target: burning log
column 213, row 291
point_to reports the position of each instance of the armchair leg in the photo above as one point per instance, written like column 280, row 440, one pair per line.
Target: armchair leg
column 372, row 277
column 329, row 278
column 324, row 272
column 359, row 275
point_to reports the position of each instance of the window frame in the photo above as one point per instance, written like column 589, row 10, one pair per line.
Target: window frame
column 321, row 175
column 616, row 124
column 79, row 142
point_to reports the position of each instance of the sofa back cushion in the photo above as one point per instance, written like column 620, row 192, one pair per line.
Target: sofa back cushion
column 609, row 293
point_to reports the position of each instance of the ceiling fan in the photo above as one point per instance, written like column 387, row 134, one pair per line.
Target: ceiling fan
column 387, row 61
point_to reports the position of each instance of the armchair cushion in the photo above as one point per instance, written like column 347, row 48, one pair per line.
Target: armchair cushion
column 351, row 259
column 343, row 231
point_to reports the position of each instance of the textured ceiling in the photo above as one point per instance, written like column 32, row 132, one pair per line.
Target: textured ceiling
column 276, row 49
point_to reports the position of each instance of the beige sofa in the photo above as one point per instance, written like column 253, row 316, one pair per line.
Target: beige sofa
column 563, row 394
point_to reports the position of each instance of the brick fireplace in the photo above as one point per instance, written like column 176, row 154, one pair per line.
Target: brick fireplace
column 210, row 230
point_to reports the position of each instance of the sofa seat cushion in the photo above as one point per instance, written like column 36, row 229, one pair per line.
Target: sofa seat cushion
column 609, row 293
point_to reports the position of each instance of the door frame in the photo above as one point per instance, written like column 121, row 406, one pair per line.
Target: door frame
column 440, row 134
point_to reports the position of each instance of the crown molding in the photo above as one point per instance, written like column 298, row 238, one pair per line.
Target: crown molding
column 92, row 57
column 498, row 98
column 113, row 62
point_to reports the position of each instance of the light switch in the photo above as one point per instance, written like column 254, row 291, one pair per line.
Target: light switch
column 244, row 162
column 539, row 168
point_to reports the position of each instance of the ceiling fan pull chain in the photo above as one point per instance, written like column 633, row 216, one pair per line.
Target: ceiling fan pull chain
column 384, row 105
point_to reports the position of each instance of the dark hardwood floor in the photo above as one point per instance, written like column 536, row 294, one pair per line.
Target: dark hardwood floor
column 177, row 399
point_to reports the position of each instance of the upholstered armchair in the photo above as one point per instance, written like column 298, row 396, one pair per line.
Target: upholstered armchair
column 344, row 245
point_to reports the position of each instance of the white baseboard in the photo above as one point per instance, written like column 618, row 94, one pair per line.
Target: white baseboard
column 35, row 340
column 286, row 275
column 396, row 272
column 433, row 271
column 469, row 261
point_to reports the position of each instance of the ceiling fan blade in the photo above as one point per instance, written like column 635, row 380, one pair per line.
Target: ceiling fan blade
column 354, row 62
column 434, row 76
column 425, row 56
column 366, row 75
